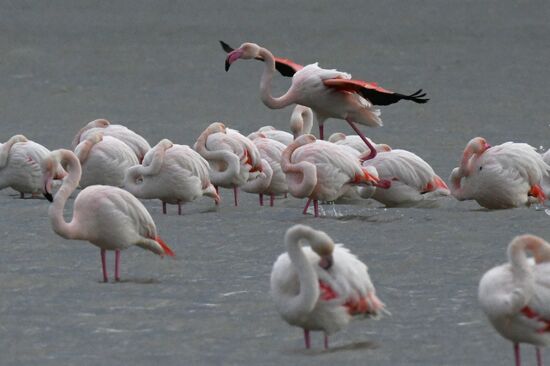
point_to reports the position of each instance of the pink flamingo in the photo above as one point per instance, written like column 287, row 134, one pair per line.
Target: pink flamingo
column 301, row 120
column 414, row 182
column 321, row 170
column 514, row 295
column 272, row 133
column 106, row 216
column 172, row 173
column 138, row 144
column 503, row 176
column 330, row 93
column 320, row 287
column 104, row 160
column 232, row 157
column 356, row 143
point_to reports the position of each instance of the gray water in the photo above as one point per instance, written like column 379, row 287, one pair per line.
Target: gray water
column 157, row 68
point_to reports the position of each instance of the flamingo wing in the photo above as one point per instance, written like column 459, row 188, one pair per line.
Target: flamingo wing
column 285, row 66
column 373, row 92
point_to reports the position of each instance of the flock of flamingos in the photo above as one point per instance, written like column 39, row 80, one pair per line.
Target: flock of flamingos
column 322, row 286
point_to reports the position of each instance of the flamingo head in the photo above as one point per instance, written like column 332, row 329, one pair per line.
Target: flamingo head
column 50, row 166
column 216, row 127
column 383, row 148
column 305, row 139
column 17, row 138
column 323, row 246
column 99, row 123
column 247, row 51
column 164, row 144
column 476, row 146
column 95, row 138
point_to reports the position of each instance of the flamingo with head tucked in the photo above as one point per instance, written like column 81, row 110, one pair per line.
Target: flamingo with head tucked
column 106, row 216
column 515, row 296
column 301, row 120
column 320, row 287
column 330, row 93
column 271, row 132
column 497, row 177
column 170, row 172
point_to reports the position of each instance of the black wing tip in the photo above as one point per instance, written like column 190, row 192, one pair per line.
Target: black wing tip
column 227, row 48
column 417, row 97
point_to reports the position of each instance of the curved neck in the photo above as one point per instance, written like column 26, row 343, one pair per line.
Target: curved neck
column 301, row 120
column 302, row 176
column 231, row 161
column 55, row 212
column 306, row 299
column 518, row 257
column 261, row 182
column 265, row 83
column 5, row 150
column 130, row 178
column 82, row 150
column 456, row 179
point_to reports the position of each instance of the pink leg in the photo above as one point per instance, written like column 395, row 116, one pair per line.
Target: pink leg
column 236, row 195
column 316, row 208
column 117, row 265
column 307, row 206
column 261, row 196
column 307, row 339
column 218, row 193
column 321, row 132
column 179, row 208
column 357, row 131
column 539, row 356
column 164, row 208
column 103, row 265
column 326, row 341
column 516, row 354
column 271, row 199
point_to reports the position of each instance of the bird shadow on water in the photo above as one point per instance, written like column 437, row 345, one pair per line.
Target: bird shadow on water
column 350, row 347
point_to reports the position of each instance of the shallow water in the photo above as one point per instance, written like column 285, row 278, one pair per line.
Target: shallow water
column 157, row 68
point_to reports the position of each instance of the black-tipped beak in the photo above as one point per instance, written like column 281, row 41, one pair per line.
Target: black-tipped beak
column 48, row 196
column 326, row 262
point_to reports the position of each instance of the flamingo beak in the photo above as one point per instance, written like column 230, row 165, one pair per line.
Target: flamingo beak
column 326, row 261
column 48, row 187
column 232, row 57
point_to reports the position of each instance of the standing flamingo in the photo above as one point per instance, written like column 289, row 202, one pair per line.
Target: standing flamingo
column 172, row 173
column 321, row 170
column 498, row 177
column 106, row 216
column 301, row 120
column 414, row 182
column 273, row 182
column 330, row 93
column 138, row 144
column 232, row 157
column 104, row 160
column 20, row 161
column 271, row 132
column 515, row 296
column 320, row 287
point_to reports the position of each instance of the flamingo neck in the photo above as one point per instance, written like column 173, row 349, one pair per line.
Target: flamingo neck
column 518, row 257
column 305, row 301
column 261, row 183
column 230, row 160
column 302, row 176
column 130, row 178
column 456, row 189
column 265, row 84
column 301, row 120
column 55, row 212
column 5, row 150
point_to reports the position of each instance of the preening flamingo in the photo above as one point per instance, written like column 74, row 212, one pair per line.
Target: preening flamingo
column 515, row 296
column 320, row 287
column 138, row 144
column 414, row 182
column 232, row 157
column 20, row 161
column 329, row 93
column 106, row 216
column 104, row 160
column 503, row 176
column 301, row 120
column 273, row 182
column 271, row 132
column 356, row 143
column 172, row 173
column 321, row 170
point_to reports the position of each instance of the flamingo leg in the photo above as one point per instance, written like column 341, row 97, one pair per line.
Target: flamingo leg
column 218, row 193
column 104, row 265
column 21, row 195
column 164, row 207
column 516, row 354
column 261, row 196
column 321, row 132
column 236, row 195
column 307, row 338
column 271, row 199
column 117, row 265
column 539, row 356
column 326, row 341
column 307, row 206
column 179, row 208
column 357, row 131
column 316, row 208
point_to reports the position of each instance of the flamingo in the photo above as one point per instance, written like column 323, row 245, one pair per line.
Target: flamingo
column 321, row 170
column 232, row 157
column 301, row 120
column 274, row 180
column 271, row 132
column 545, row 183
column 356, row 143
column 515, row 295
column 172, row 173
column 106, row 216
column 20, row 161
column 414, row 182
column 329, row 93
column 138, row 144
column 104, row 160
column 498, row 177
column 320, row 287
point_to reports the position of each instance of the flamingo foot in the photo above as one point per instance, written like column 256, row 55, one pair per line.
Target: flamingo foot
column 271, row 199
column 539, row 356
column 164, row 207
column 516, row 354
column 261, row 196
column 316, row 208
column 104, row 266
column 307, row 206
column 326, row 341
column 218, row 193
column 236, row 195
column 179, row 208
column 365, row 140
column 307, row 339
column 117, row 265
